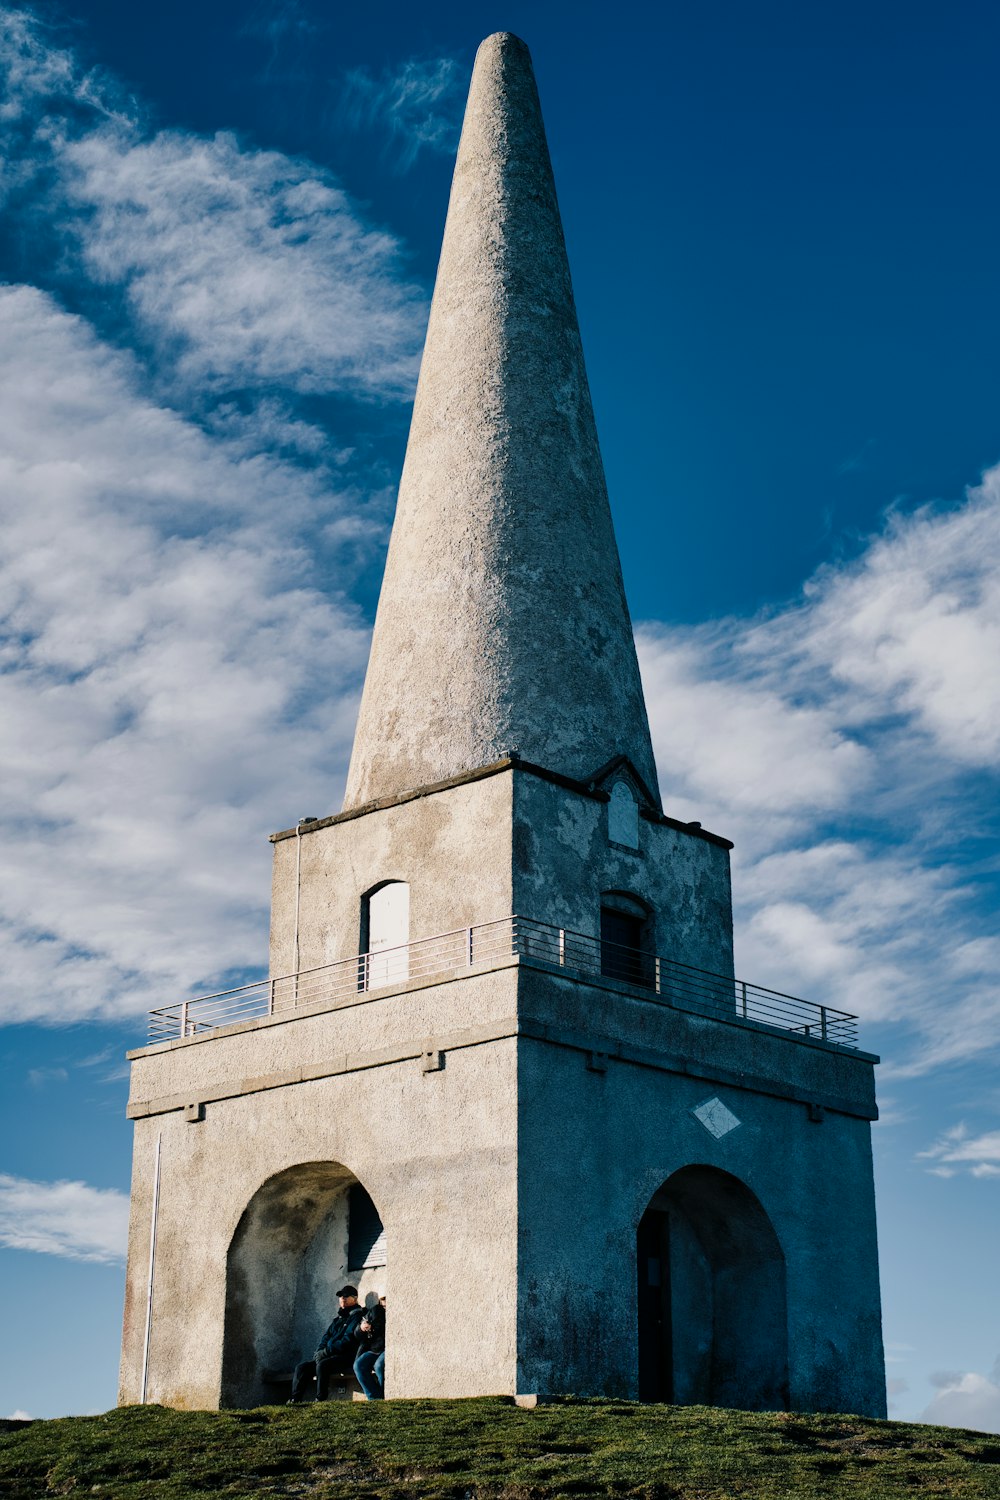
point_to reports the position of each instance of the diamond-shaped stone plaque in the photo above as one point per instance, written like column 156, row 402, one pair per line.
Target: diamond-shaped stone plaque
column 716, row 1118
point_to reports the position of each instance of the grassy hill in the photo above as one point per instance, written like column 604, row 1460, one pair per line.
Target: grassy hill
column 463, row 1450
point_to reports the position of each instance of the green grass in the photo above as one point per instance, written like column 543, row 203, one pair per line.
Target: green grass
column 464, row 1450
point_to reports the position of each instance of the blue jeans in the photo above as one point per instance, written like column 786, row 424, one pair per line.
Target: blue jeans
column 369, row 1369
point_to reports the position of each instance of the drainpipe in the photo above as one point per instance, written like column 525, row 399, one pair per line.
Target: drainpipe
column 152, row 1265
column 298, row 889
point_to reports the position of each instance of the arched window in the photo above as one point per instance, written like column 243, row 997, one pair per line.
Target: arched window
column 627, row 950
column 623, row 816
column 385, row 934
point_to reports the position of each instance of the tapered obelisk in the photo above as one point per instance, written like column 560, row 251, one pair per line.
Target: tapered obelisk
column 502, row 624
column 501, row 1065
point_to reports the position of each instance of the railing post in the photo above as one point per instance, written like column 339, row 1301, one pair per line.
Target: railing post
column 822, row 1022
column 184, row 1018
column 743, row 997
column 270, row 998
column 468, row 946
column 562, row 945
column 656, row 972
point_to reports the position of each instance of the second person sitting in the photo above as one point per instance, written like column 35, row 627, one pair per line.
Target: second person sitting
column 369, row 1367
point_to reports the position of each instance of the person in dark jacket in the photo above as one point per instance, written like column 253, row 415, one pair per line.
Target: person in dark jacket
column 336, row 1352
column 369, row 1367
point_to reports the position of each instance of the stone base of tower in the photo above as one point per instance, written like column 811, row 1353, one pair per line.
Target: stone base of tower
column 583, row 1190
column 696, row 1209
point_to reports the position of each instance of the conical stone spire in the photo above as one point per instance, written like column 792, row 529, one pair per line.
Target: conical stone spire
column 502, row 624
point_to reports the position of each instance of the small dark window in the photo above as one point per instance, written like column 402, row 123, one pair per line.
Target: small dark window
column 365, row 1236
column 622, row 955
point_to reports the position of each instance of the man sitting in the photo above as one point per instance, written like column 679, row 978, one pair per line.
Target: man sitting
column 336, row 1352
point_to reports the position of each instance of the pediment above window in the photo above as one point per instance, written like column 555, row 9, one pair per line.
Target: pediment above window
column 621, row 771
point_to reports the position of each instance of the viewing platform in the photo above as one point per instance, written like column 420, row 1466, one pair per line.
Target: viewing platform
column 658, row 979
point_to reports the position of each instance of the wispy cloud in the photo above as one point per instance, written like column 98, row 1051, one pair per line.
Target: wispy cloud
column 848, row 742
column 418, row 105
column 277, row 21
column 63, row 1218
column 242, row 269
column 40, row 1078
column 959, row 1149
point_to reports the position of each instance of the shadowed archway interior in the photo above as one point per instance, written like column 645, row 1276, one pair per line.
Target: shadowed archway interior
column 711, row 1289
column 293, row 1247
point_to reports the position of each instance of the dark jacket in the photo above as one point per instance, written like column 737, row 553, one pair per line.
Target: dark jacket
column 341, row 1338
column 374, row 1342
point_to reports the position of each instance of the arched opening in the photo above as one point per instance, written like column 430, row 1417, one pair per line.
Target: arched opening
column 385, row 934
column 711, row 1287
column 293, row 1247
column 627, row 940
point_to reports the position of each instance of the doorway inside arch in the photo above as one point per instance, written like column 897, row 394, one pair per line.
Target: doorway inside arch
column 304, row 1233
column 711, row 1296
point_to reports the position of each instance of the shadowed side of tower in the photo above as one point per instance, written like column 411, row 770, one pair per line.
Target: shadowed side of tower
column 502, row 624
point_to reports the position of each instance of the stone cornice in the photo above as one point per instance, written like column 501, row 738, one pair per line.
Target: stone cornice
column 508, row 763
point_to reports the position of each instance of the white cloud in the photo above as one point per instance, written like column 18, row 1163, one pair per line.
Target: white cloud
column 914, row 628
column 176, row 683
column 19, row 1416
column 177, row 676
column 35, row 70
column 63, row 1218
column 968, row 1400
column 847, row 743
column 740, row 741
column 241, row 268
column 247, row 268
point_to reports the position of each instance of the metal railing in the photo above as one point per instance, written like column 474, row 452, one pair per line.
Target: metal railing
column 351, row 979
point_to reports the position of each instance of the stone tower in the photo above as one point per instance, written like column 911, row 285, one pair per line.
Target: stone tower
column 502, row 1068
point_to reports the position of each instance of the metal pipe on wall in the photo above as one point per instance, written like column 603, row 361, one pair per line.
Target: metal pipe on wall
column 152, row 1267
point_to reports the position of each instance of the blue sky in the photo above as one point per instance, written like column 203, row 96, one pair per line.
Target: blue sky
column 220, row 232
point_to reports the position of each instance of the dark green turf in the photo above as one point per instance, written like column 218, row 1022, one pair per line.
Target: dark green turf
column 461, row 1450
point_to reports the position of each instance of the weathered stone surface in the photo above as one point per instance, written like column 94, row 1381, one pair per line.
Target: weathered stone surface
column 502, row 623
column 538, row 1135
